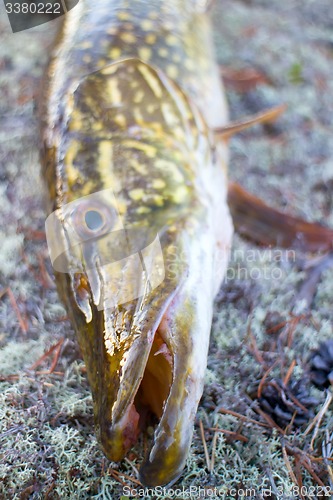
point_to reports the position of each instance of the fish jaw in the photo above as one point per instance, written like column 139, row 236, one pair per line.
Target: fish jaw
column 186, row 327
column 161, row 365
column 180, row 341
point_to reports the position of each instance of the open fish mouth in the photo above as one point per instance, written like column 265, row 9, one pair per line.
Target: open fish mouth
column 144, row 358
column 160, row 374
column 147, row 357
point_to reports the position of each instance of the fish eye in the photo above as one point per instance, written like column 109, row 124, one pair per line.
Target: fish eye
column 94, row 220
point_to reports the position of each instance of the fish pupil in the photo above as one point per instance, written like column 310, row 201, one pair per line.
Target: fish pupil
column 93, row 220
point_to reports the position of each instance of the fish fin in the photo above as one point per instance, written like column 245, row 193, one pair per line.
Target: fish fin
column 265, row 225
column 233, row 128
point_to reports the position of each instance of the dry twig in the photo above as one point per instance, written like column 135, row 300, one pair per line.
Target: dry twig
column 56, row 349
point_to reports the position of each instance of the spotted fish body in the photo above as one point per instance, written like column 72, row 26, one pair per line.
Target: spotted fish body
column 130, row 102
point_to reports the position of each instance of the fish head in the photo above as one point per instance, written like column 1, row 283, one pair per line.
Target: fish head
column 133, row 242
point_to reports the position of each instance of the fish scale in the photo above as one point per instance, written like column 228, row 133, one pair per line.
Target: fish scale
column 128, row 111
column 161, row 34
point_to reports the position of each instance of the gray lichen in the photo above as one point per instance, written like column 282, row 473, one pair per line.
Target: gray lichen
column 48, row 448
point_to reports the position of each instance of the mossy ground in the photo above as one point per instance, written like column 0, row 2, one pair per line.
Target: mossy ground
column 48, row 448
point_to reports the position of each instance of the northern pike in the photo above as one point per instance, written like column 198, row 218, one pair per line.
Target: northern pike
column 131, row 100
column 134, row 129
